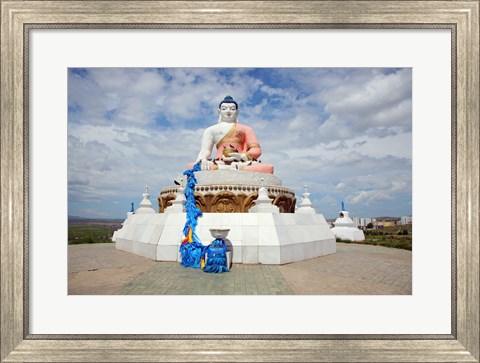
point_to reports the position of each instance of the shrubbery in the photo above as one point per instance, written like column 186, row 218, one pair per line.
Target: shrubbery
column 390, row 238
column 373, row 232
column 80, row 233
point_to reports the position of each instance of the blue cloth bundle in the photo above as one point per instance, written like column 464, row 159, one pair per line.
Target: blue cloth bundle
column 192, row 253
column 216, row 257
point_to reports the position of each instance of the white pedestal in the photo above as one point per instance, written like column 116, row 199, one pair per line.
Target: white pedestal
column 265, row 238
column 349, row 234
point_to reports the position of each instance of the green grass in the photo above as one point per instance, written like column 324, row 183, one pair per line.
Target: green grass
column 395, row 237
column 91, row 232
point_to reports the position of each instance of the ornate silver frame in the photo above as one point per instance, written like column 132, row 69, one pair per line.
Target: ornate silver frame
column 18, row 17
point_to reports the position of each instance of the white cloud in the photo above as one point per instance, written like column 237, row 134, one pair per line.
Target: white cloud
column 104, row 161
column 341, row 186
column 328, row 200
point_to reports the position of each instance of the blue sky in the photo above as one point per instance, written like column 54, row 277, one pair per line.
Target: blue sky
column 345, row 132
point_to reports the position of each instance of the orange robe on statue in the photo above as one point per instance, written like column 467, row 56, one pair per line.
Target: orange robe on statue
column 243, row 139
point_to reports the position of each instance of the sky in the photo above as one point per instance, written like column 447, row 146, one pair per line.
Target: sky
column 344, row 132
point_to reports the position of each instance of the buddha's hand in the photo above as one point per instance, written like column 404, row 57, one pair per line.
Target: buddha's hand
column 204, row 164
column 236, row 157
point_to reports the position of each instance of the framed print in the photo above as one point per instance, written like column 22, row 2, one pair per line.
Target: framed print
column 437, row 42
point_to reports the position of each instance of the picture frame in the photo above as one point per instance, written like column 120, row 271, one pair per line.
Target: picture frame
column 19, row 17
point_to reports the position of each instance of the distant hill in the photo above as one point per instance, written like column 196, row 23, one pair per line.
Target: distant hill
column 77, row 219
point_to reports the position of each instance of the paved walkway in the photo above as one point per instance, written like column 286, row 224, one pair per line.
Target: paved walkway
column 355, row 269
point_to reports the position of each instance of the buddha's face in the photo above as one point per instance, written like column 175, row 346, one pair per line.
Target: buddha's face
column 228, row 112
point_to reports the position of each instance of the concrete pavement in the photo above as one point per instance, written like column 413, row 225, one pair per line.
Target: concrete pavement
column 100, row 269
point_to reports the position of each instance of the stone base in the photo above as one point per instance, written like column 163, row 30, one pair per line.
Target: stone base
column 232, row 191
column 265, row 238
column 348, row 233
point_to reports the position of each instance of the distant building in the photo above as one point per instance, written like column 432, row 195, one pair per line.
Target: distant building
column 362, row 222
column 386, row 223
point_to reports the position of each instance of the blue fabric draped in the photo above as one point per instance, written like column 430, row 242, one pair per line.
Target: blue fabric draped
column 216, row 257
column 190, row 206
column 191, row 249
column 192, row 253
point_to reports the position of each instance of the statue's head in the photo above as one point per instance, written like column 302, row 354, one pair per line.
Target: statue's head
column 228, row 110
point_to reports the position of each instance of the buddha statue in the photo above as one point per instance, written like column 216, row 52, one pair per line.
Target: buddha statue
column 237, row 145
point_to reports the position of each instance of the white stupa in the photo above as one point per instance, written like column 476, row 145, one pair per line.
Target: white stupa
column 145, row 206
column 345, row 228
column 178, row 204
column 263, row 204
column 306, row 204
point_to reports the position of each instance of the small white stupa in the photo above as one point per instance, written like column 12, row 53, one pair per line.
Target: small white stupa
column 263, row 204
column 145, row 205
column 306, row 204
column 178, row 204
column 345, row 228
